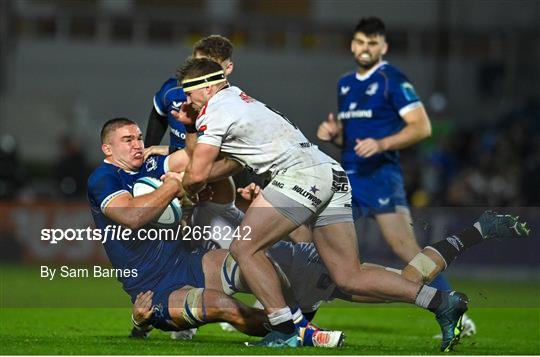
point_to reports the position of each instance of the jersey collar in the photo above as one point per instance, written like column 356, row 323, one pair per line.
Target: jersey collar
column 129, row 172
column 370, row 72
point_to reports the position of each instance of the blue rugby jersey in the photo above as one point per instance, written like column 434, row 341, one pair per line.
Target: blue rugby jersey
column 153, row 259
column 371, row 106
column 170, row 97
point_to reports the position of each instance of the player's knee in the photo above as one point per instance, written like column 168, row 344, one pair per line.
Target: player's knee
column 346, row 283
column 241, row 249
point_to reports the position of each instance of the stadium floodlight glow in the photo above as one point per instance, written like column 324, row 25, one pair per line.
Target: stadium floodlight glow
column 207, row 80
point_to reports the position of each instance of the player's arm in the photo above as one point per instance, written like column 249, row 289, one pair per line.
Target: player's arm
column 135, row 212
column 200, row 167
column 156, row 128
column 417, row 127
column 222, row 168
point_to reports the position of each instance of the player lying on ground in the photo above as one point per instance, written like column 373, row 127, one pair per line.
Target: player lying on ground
column 306, row 281
column 170, row 269
column 307, row 186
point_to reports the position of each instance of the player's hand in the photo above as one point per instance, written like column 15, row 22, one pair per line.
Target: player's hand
column 142, row 308
column 250, row 192
column 328, row 129
column 186, row 115
column 368, row 147
column 156, row 150
column 175, row 177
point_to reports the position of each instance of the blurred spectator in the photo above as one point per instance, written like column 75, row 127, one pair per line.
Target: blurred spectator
column 72, row 169
column 496, row 166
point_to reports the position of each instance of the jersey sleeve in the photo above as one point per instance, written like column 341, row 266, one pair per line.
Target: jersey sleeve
column 402, row 95
column 104, row 188
column 212, row 131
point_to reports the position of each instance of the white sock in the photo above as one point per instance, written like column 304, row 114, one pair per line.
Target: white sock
column 279, row 316
column 425, row 295
column 297, row 316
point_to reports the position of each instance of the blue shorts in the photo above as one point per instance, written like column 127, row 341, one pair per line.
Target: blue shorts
column 186, row 271
column 379, row 191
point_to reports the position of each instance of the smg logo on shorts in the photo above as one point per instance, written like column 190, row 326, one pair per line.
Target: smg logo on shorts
column 314, row 200
column 339, row 181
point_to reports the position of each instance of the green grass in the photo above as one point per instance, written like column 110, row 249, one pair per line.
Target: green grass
column 34, row 320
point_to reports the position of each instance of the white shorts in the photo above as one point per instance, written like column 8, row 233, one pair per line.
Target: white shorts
column 218, row 215
column 317, row 195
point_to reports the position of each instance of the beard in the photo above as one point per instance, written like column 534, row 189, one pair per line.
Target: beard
column 367, row 65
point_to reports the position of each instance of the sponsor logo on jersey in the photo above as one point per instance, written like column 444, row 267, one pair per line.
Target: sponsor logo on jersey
column 202, row 129
column 372, row 89
column 345, row 90
column 306, row 145
column 314, row 200
column 151, row 164
column 355, row 114
column 176, row 105
column 408, row 91
column 384, row 201
column 178, row 133
column 277, row 184
column 352, row 106
column 313, row 189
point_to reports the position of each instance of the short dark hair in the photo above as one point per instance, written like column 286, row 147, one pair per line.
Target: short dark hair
column 113, row 124
column 371, row 26
column 196, row 67
column 216, row 47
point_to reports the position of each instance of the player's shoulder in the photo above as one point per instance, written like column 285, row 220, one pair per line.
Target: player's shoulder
column 102, row 175
column 105, row 169
column 392, row 73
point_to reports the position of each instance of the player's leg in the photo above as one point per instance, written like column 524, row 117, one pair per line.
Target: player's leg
column 396, row 228
column 437, row 256
column 266, row 226
column 338, row 248
column 335, row 246
column 193, row 307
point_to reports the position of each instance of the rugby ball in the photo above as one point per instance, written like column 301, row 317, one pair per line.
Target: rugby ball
column 172, row 213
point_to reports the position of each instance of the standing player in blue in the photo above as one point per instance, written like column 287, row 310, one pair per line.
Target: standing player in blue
column 167, row 273
column 379, row 114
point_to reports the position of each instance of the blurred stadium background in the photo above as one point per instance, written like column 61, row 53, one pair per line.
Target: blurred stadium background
column 66, row 66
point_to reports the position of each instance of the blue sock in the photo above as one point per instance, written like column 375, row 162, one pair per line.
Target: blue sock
column 307, row 338
column 441, row 283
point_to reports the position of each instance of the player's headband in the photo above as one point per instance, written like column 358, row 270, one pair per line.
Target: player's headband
column 207, row 80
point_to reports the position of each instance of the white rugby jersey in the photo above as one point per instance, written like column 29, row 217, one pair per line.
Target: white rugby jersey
column 261, row 138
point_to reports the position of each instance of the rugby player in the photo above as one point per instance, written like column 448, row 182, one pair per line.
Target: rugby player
column 379, row 114
column 306, row 186
column 377, row 106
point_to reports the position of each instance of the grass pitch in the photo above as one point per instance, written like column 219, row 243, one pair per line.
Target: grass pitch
column 34, row 320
